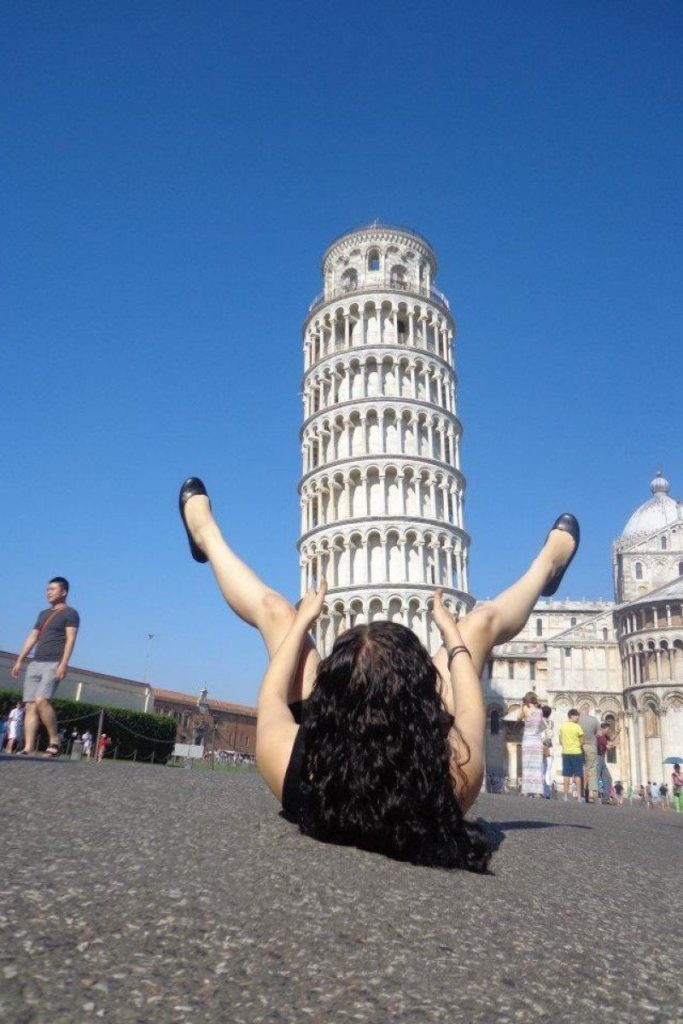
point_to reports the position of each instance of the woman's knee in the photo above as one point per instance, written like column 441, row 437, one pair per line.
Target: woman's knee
column 486, row 621
column 276, row 610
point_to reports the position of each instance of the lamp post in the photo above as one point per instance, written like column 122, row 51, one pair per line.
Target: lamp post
column 204, row 709
column 148, row 650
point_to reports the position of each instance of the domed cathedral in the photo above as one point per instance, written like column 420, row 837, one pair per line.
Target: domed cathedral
column 620, row 660
column 382, row 490
column 648, row 582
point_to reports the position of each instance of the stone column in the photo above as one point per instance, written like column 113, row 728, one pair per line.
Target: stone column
column 403, row 545
column 400, row 485
column 642, row 747
column 449, row 564
column 432, row 495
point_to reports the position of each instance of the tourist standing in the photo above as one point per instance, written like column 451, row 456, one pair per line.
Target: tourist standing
column 53, row 637
column 15, row 727
column 677, row 786
column 532, row 746
column 571, row 741
column 3, row 731
column 604, row 743
column 87, row 743
column 547, row 737
column 103, row 746
column 590, row 725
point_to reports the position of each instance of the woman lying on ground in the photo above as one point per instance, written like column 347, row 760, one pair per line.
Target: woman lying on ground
column 378, row 745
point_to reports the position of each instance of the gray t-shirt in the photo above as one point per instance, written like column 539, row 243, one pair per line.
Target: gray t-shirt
column 590, row 726
column 52, row 640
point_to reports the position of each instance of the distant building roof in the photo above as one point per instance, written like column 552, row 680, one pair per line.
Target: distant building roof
column 191, row 698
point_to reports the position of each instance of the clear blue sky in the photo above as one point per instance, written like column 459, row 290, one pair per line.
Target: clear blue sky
column 171, row 175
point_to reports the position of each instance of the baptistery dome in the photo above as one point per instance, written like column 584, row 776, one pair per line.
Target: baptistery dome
column 656, row 513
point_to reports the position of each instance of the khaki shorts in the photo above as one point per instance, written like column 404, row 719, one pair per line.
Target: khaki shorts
column 590, row 765
column 40, row 680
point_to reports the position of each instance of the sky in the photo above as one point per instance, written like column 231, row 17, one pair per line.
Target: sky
column 171, row 175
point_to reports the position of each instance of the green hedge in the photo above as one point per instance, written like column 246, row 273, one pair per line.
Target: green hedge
column 131, row 732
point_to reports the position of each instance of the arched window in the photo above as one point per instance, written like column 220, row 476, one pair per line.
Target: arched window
column 605, row 634
column 511, row 670
column 680, row 568
column 539, row 627
column 495, row 722
column 651, row 720
column 662, row 542
column 639, row 571
column 572, row 621
column 398, row 277
column 349, row 280
column 373, row 259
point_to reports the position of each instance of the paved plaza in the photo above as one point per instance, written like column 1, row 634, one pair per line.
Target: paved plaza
column 134, row 893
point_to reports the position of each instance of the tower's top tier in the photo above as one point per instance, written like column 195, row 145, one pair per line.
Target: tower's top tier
column 379, row 256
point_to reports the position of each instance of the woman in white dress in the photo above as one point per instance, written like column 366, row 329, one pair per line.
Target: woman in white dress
column 532, row 746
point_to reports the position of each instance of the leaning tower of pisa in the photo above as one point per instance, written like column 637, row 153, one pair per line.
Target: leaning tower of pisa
column 381, row 488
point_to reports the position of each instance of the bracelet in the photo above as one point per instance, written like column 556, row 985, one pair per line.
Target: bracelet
column 456, row 650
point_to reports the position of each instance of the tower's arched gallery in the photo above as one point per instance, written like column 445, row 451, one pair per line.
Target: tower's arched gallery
column 381, row 489
column 382, row 495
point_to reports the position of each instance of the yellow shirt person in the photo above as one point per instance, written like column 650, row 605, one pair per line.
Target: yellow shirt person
column 571, row 738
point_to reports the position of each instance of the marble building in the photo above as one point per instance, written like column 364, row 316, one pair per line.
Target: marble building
column 621, row 659
column 382, row 489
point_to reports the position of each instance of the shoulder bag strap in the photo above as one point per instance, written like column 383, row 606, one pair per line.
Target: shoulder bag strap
column 49, row 619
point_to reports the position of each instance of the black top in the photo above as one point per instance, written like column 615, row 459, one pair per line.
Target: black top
column 292, row 797
column 52, row 640
column 292, row 800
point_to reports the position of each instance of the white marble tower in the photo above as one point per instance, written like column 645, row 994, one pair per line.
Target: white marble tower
column 381, row 487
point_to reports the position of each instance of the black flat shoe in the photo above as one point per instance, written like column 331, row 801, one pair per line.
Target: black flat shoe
column 192, row 486
column 569, row 524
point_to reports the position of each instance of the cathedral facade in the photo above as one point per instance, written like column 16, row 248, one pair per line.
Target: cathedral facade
column 620, row 660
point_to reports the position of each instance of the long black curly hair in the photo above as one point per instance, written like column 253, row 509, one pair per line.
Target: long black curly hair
column 376, row 758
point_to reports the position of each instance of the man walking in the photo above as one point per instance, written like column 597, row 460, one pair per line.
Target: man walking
column 53, row 637
column 571, row 738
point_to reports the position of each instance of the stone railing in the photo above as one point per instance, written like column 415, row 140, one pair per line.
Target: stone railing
column 392, row 284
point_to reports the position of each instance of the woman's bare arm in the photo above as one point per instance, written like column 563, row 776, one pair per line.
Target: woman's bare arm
column 275, row 726
column 469, row 710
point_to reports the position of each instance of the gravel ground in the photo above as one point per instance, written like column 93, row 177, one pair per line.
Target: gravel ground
column 133, row 893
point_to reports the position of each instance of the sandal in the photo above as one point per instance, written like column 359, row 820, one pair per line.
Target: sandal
column 52, row 750
column 192, row 486
column 570, row 525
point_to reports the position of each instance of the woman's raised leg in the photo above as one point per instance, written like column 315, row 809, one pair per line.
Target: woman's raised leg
column 496, row 621
column 247, row 594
